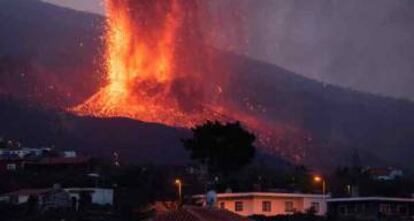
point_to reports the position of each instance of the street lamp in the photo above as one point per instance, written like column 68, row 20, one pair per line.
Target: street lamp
column 319, row 179
column 179, row 184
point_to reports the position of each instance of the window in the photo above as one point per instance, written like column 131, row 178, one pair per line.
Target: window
column 315, row 206
column 359, row 208
column 266, row 206
column 350, row 209
column 289, row 207
column 342, row 209
column 222, row 205
column 402, row 210
column 394, row 209
column 238, row 206
column 11, row 166
column 385, row 209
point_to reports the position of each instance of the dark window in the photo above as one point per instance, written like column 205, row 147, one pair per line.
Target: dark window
column 351, row 209
column 315, row 206
column 289, row 207
column 11, row 166
column 385, row 209
column 222, row 205
column 342, row 209
column 238, row 206
column 394, row 209
column 267, row 206
column 359, row 208
column 402, row 210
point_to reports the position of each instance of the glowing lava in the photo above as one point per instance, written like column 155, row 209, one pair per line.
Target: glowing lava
column 150, row 75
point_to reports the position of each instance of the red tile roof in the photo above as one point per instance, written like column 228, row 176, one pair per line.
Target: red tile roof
column 199, row 214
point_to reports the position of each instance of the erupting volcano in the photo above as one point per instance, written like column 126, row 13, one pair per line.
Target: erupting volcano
column 156, row 64
column 160, row 69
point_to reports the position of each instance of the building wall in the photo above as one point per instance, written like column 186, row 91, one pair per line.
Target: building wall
column 370, row 209
column 323, row 206
column 55, row 199
column 229, row 204
column 22, row 199
column 15, row 199
column 103, row 196
column 99, row 196
column 254, row 205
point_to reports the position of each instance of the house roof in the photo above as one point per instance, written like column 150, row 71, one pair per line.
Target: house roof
column 380, row 171
column 267, row 194
column 61, row 160
column 193, row 213
column 11, row 159
column 360, row 199
column 27, row 192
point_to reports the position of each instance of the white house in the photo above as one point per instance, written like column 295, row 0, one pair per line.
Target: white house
column 45, row 198
column 270, row 204
column 22, row 152
column 370, row 208
column 99, row 196
column 69, row 154
column 55, row 196
column 22, row 196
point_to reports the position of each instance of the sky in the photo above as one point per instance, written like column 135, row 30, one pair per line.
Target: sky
column 94, row 6
column 365, row 45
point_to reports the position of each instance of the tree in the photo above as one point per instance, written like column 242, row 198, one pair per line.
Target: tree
column 85, row 201
column 3, row 143
column 222, row 148
column 32, row 205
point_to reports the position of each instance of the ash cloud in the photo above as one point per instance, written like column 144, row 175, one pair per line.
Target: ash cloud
column 365, row 45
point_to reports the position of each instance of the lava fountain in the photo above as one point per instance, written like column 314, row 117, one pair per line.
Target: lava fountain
column 156, row 63
column 159, row 69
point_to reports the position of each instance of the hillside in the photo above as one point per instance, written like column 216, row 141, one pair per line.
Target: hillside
column 340, row 120
column 136, row 142
column 333, row 122
column 57, row 50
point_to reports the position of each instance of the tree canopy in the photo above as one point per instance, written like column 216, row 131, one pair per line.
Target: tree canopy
column 223, row 148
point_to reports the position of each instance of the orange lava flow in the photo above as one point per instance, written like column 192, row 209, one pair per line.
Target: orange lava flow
column 141, row 63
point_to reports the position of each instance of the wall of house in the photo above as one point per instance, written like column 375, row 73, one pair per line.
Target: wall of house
column 323, row 207
column 230, row 204
column 278, row 205
column 99, row 196
column 254, row 205
column 22, row 199
column 103, row 196
column 370, row 209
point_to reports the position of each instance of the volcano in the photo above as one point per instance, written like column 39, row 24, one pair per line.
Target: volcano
column 302, row 120
column 157, row 69
column 160, row 69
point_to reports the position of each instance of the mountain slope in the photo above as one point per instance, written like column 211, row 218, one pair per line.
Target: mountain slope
column 134, row 141
column 339, row 120
column 57, row 48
